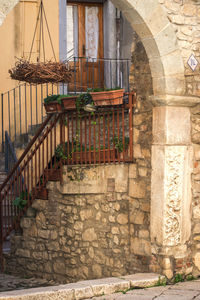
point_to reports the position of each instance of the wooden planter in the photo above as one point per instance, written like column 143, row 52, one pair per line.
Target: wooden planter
column 93, row 156
column 41, row 193
column 114, row 97
column 53, row 107
column 69, row 103
column 53, row 174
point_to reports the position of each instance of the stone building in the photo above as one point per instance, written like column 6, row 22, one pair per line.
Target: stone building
column 144, row 215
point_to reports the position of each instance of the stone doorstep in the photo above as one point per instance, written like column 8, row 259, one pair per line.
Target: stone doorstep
column 84, row 289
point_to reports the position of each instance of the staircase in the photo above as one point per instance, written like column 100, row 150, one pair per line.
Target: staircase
column 28, row 178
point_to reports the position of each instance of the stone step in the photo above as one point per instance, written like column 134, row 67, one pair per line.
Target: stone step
column 87, row 289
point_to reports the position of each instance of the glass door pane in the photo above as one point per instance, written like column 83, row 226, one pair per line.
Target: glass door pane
column 72, row 31
column 92, row 31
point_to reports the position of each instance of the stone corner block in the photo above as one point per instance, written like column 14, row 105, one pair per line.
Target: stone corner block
column 171, row 125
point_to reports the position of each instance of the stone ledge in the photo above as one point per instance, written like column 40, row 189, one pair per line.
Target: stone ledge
column 174, row 100
column 84, row 289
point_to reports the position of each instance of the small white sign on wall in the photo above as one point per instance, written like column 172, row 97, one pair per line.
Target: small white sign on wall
column 192, row 62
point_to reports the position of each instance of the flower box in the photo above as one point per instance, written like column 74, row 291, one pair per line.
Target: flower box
column 53, row 107
column 94, row 156
column 69, row 103
column 53, row 174
column 113, row 97
column 41, row 193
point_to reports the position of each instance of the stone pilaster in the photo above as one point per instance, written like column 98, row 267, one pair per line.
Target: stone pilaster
column 171, row 186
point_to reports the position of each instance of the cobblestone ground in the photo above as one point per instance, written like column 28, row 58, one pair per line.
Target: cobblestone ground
column 182, row 291
column 9, row 283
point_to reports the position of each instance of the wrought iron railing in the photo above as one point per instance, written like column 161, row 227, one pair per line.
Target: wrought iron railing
column 66, row 138
column 22, row 107
column 10, row 155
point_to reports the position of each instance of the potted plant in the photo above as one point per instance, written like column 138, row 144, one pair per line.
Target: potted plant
column 52, row 104
column 102, row 97
column 68, row 101
column 121, row 147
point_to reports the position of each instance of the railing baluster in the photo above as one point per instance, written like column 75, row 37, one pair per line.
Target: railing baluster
column 104, row 144
column 26, row 129
column 68, row 140
column 31, row 170
column 36, row 104
column 72, row 121
column 9, row 112
column 14, row 113
column 51, row 149
column 113, row 124
column 31, row 105
column 2, row 125
column 77, row 138
column 81, row 73
column 28, row 183
column 99, row 137
column 93, row 60
column 42, row 113
column 81, row 140
column 85, row 129
column 123, row 135
column 90, row 160
column 20, row 115
column 39, row 164
column 118, row 133
column 94, row 138
column 35, row 154
column 108, row 126
column 75, row 74
column 87, row 73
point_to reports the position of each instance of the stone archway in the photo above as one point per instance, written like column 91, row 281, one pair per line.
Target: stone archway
column 171, row 158
column 150, row 22
column 5, row 7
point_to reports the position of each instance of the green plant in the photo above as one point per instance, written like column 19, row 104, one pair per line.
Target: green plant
column 82, row 100
column 65, row 151
column 119, row 145
column 178, row 278
column 21, row 201
column 161, row 282
column 190, row 277
column 52, row 98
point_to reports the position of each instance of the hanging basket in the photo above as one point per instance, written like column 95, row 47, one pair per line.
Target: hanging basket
column 41, row 72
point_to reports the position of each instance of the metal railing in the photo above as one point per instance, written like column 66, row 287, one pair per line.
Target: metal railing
column 22, row 107
column 78, row 138
column 10, row 155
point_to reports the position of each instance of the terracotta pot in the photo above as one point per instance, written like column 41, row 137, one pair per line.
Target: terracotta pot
column 114, row 97
column 41, row 193
column 53, row 107
column 94, row 156
column 69, row 103
column 52, row 174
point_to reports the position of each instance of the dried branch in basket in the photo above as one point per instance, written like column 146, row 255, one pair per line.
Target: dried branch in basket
column 41, row 72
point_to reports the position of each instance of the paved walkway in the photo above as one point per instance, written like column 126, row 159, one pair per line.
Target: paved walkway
column 22, row 289
column 189, row 290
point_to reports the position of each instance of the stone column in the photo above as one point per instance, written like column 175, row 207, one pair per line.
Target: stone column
column 171, row 187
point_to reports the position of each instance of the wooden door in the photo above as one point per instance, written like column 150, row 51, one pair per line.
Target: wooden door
column 85, row 45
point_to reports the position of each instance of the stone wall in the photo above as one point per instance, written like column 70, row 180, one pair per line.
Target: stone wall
column 185, row 17
column 97, row 223
column 83, row 235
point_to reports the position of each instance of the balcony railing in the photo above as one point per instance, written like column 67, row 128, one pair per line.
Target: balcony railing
column 22, row 107
column 105, row 136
